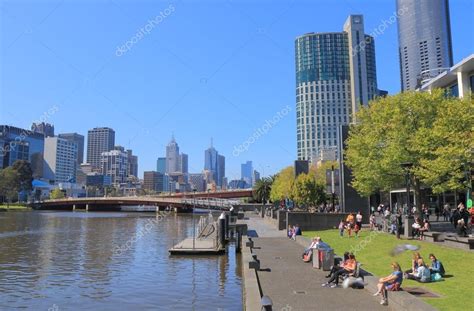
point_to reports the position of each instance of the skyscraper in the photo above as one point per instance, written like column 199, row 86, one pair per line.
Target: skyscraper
column 335, row 74
column 210, row 162
column 132, row 163
column 172, row 156
column 424, row 37
column 161, row 165
column 79, row 140
column 60, row 159
column 183, row 163
column 153, row 181
column 246, row 170
column 99, row 140
column 220, row 170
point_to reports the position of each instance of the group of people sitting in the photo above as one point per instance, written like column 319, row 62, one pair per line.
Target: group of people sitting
column 419, row 228
column 352, row 223
column 343, row 268
column 293, row 231
column 316, row 243
column 419, row 272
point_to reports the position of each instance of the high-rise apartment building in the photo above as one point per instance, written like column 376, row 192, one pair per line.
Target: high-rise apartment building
column 21, row 144
column 79, row 140
column 114, row 163
column 60, row 160
column 99, row 140
column 44, row 128
column 424, row 37
column 335, row 75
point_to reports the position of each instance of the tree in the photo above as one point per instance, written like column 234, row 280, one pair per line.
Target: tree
column 447, row 146
column 391, row 131
column 308, row 192
column 262, row 189
column 9, row 184
column 57, row 194
column 282, row 186
column 25, row 174
column 320, row 171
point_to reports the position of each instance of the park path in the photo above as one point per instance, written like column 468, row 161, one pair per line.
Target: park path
column 294, row 285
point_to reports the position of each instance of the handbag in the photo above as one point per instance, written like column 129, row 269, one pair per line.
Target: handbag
column 436, row 277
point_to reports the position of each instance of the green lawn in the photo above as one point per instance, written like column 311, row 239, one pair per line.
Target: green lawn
column 374, row 254
column 15, row 207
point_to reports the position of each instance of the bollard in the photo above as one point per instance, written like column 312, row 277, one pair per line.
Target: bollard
column 267, row 303
column 222, row 229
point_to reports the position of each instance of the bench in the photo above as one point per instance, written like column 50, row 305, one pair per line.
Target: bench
column 463, row 242
column 434, row 236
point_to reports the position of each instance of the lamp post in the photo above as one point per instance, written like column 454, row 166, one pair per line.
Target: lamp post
column 406, row 167
column 333, row 188
column 194, row 223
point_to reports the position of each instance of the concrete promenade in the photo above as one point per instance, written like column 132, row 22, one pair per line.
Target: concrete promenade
column 293, row 284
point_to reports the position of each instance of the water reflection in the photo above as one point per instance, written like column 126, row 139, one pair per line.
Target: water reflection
column 70, row 260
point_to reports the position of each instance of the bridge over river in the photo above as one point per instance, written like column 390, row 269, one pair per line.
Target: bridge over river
column 180, row 202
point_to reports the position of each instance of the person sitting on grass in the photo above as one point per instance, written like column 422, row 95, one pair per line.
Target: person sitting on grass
column 391, row 282
column 436, row 265
column 348, row 267
column 422, row 274
column 414, row 263
column 356, row 230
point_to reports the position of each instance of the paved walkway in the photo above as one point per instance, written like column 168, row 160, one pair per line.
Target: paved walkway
column 293, row 284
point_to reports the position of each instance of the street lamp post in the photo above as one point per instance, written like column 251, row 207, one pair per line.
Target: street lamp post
column 194, row 223
column 333, row 188
column 406, row 166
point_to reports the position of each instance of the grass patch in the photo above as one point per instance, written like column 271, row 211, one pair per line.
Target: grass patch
column 15, row 207
column 375, row 257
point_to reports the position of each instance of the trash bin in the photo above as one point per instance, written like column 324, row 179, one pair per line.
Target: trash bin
column 316, row 256
column 327, row 258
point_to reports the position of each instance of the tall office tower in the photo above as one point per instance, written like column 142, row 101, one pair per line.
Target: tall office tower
column 220, row 170
column 172, row 156
column 424, row 38
column 99, row 140
column 44, row 128
column 256, row 176
column 210, row 162
column 335, row 74
column 183, row 163
column 161, row 165
column 132, row 163
column 197, row 182
column 21, row 144
column 114, row 163
column 60, row 160
column 153, row 181
column 246, row 173
column 79, row 140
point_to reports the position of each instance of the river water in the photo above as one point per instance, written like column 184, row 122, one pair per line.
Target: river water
column 109, row 261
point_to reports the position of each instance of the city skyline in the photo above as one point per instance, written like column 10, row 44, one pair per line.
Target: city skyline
column 157, row 86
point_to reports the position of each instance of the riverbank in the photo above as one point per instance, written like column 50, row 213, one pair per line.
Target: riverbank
column 291, row 283
column 372, row 249
column 14, row 207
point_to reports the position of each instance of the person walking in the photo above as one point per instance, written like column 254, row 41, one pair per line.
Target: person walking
column 399, row 224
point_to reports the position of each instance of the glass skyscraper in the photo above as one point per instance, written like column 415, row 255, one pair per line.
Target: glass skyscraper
column 335, row 74
column 424, row 36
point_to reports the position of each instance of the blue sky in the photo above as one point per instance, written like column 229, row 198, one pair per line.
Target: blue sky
column 200, row 69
